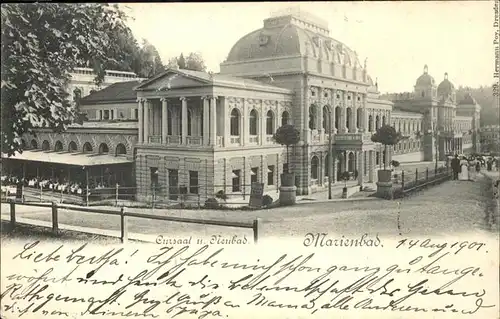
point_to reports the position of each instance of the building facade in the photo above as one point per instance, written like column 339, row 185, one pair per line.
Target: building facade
column 197, row 134
column 435, row 121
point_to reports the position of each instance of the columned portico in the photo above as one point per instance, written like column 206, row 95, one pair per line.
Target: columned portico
column 213, row 120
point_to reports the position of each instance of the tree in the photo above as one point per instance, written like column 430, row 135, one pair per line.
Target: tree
column 287, row 135
column 150, row 61
column 41, row 45
column 387, row 135
column 194, row 61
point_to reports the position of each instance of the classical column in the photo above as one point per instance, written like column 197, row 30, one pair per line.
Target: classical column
column 263, row 124
column 184, row 120
column 140, row 119
column 146, row 121
column 245, row 130
column 371, row 166
column 360, row 159
column 213, row 120
column 227, row 121
column 164, row 120
column 206, row 120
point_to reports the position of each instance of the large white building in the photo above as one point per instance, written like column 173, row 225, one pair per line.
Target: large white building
column 206, row 133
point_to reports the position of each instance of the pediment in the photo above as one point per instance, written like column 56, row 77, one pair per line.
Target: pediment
column 170, row 81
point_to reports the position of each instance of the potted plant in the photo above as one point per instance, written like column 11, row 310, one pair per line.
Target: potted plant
column 387, row 136
column 287, row 135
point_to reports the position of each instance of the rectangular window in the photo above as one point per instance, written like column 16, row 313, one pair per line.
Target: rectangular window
column 173, row 183
column 100, row 114
column 193, row 182
column 106, row 115
column 154, row 177
column 254, row 173
column 136, row 114
column 112, row 114
column 270, row 175
column 236, row 180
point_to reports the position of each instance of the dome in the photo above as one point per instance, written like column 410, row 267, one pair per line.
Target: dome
column 445, row 87
column 425, row 79
column 468, row 100
column 292, row 35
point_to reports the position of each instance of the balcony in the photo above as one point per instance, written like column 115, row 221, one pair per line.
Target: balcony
column 155, row 139
column 269, row 139
column 173, row 139
column 353, row 137
column 235, row 140
column 253, row 139
column 194, row 140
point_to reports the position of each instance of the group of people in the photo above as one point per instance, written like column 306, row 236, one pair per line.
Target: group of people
column 467, row 168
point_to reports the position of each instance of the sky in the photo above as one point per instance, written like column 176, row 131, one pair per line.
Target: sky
column 397, row 38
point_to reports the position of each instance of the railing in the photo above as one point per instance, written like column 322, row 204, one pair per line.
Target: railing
column 269, row 139
column 173, row 139
column 125, row 215
column 220, row 140
column 412, row 181
column 194, row 140
column 178, row 196
column 235, row 140
column 155, row 139
column 253, row 139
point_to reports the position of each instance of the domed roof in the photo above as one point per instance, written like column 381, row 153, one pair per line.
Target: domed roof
column 425, row 79
column 445, row 87
column 291, row 35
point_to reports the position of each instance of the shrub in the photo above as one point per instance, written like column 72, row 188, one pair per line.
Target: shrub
column 395, row 163
column 211, row 203
column 267, row 200
column 221, row 195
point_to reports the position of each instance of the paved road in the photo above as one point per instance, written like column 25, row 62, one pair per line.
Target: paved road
column 450, row 207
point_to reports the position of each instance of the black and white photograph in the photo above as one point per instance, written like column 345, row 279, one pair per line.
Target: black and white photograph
column 250, row 160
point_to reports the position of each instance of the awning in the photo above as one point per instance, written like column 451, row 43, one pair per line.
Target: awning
column 76, row 159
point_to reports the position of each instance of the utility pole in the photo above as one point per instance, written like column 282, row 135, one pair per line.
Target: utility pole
column 330, row 157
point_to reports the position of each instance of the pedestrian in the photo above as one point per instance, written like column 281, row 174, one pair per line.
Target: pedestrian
column 478, row 168
column 455, row 166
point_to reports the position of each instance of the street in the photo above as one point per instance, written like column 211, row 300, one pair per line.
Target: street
column 453, row 207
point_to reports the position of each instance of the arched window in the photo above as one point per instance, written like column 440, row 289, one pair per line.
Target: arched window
column 377, row 122
column 121, row 149
column 370, row 123
column 270, row 123
column 235, row 122
column 285, row 118
column 359, row 117
column 72, row 147
column 351, row 165
column 312, row 117
column 327, row 159
column 253, row 122
column 404, row 127
column 326, row 118
column 77, row 95
column 314, row 167
column 34, row 144
column 58, row 147
column 338, row 112
column 45, row 145
column 87, row 148
column 103, row 148
column 383, row 120
column 348, row 118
